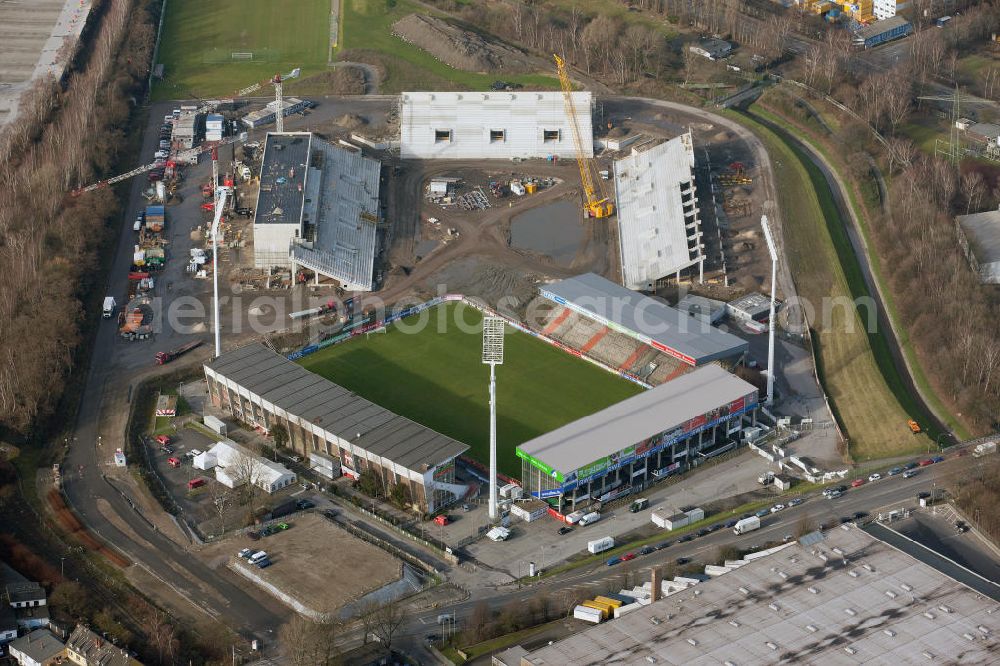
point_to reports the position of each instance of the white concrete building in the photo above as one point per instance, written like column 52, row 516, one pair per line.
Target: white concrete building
column 318, row 208
column 884, row 9
column 483, row 125
column 658, row 213
column 235, row 465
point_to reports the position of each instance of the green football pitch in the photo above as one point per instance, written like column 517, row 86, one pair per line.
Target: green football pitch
column 433, row 374
column 212, row 49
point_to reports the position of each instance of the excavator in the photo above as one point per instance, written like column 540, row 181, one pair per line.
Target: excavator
column 597, row 203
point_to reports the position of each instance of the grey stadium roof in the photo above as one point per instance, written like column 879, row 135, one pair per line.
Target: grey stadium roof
column 335, row 409
column 282, row 178
column 646, row 316
column 849, row 599
column 631, row 421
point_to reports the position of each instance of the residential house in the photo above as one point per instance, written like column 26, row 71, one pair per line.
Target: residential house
column 39, row 648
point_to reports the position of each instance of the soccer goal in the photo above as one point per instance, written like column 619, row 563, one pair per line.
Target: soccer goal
column 242, row 55
column 380, row 329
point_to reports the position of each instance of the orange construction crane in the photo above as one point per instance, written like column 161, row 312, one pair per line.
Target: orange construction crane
column 597, row 204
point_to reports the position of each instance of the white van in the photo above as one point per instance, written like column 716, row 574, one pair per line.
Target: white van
column 257, row 557
column 591, row 517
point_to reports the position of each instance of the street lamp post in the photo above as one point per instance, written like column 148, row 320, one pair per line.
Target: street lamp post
column 770, row 323
column 493, row 356
column 220, row 203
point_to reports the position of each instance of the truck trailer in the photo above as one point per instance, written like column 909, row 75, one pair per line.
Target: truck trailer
column 747, row 525
column 163, row 358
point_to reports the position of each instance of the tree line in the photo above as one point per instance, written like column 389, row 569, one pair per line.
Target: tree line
column 65, row 134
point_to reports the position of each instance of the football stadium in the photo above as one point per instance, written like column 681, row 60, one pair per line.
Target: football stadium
column 593, row 402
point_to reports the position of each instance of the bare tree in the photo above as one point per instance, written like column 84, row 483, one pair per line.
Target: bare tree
column 389, row 618
column 222, row 500
column 309, row 643
column 973, row 186
column 246, row 472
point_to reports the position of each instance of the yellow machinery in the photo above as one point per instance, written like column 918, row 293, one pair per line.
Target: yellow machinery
column 597, row 205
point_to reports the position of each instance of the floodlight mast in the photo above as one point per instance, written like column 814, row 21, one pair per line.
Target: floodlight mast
column 770, row 322
column 493, row 356
column 220, row 203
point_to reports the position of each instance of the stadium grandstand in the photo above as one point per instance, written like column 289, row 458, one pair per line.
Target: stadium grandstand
column 689, row 340
column 318, row 209
column 263, row 388
column 659, row 432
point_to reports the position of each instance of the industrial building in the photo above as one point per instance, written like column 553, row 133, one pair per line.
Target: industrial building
column 712, row 48
column 646, row 319
column 979, row 236
column 318, row 208
column 234, row 466
column 268, row 114
column 658, row 223
column 662, row 431
column 750, row 307
column 883, row 31
column 883, row 9
column 263, row 388
column 840, row 597
column 501, row 125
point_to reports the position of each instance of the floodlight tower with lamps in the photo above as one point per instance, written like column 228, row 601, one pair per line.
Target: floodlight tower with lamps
column 493, row 356
column 770, row 336
column 220, row 203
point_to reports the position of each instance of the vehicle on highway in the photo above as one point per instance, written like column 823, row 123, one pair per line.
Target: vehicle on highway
column 857, row 483
column 874, row 477
column 613, row 561
column 564, row 530
column 683, row 560
column 777, row 507
column 627, row 557
column 910, row 473
column 762, row 513
column 937, row 459
column 925, row 462
column 894, row 471
column 796, row 501
column 646, row 550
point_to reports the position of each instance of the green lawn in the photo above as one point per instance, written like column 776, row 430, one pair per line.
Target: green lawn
column 437, row 379
column 199, row 38
column 865, row 391
column 366, row 34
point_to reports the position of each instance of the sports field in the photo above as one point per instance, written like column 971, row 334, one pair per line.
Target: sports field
column 200, row 38
column 437, row 379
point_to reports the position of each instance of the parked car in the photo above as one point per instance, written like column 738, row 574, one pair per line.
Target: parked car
column 875, row 477
column 628, row 557
column 925, row 462
column 613, row 561
column 796, row 501
column 910, row 465
column 777, row 507
column 564, row 530
column 910, row 473
column 857, row 483
column 683, row 560
column 762, row 513
column 282, row 526
column 858, row 515
column 245, row 553
column 704, row 531
column 303, row 504
column 466, row 508
column 834, row 494
column 646, row 550
column 162, row 440
column 174, row 462
column 196, row 483
column 263, row 564
column 923, row 495
column 662, row 545
column 685, row 538
column 894, row 471
column 731, row 523
column 937, row 459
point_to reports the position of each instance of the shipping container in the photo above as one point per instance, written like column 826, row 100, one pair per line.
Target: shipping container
column 601, row 545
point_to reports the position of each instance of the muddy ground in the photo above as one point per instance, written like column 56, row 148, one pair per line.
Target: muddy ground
column 462, row 49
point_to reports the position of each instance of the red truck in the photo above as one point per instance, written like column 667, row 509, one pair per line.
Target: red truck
column 167, row 356
column 196, row 483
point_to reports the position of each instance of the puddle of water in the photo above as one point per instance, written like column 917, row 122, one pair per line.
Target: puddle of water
column 425, row 247
column 555, row 229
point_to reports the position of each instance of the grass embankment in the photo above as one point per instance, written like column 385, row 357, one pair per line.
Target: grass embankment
column 367, row 36
column 433, row 374
column 863, row 210
column 199, row 39
column 865, row 393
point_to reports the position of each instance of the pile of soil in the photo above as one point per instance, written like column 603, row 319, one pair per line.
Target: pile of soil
column 351, row 121
column 459, row 48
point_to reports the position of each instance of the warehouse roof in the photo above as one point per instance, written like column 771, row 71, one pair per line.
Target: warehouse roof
column 290, row 387
column 650, row 187
column 878, row 27
column 983, row 232
column 848, row 598
column 645, row 318
column 41, row 645
column 282, row 178
column 650, row 413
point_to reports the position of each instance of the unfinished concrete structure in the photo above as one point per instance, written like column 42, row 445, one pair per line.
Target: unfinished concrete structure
column 659, row 228
column 487, row 125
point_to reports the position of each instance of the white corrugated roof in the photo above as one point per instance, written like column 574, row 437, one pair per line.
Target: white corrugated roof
column 651, row 220
column 522, row 116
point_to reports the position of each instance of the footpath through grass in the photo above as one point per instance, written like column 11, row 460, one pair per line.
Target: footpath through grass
column 199, row 39
column 909, row 352
column 433, row 374
column 367, row 35
column 872, row 407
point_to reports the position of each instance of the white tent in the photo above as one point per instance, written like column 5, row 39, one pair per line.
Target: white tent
column 205, row 460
